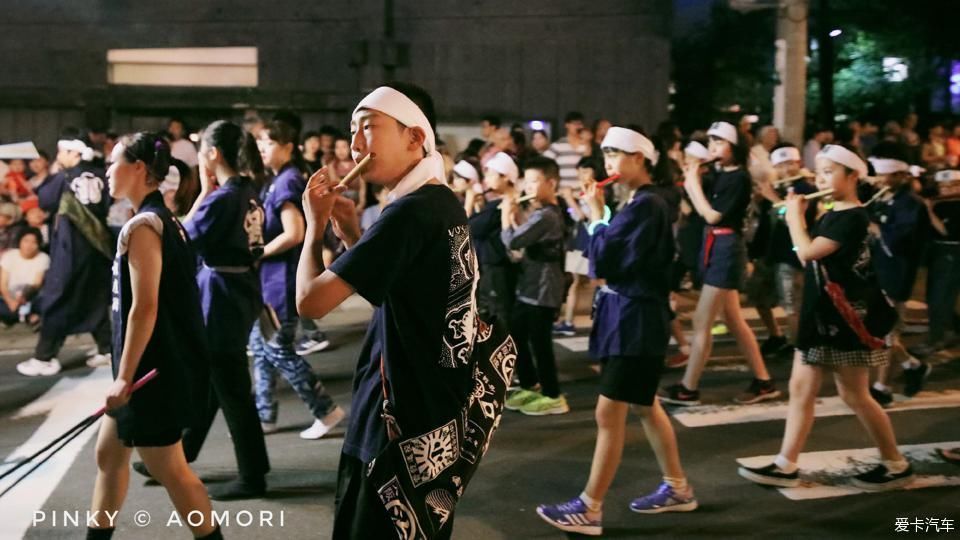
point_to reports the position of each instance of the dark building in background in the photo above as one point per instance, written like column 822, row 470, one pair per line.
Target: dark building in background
column 533, row 59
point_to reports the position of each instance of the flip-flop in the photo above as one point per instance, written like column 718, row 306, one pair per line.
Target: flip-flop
column 942, row 452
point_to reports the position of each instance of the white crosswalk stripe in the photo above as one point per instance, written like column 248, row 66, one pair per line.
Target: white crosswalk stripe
column 65, row 404
column 716, row 415
column 825, row 474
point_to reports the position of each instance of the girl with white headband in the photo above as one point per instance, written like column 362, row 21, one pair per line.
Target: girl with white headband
column 722, row 263
column 786, row 280
column 631, row 329
column 496, row 291
column 898, row 240
column 416, row 264
column 835, row 335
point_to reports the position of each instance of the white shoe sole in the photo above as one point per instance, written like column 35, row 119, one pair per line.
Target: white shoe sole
column 322, row 346
column 548, row 412
column 587, row 530
column 759, row 399
column 685, row 507
column 766, row 480
column 679, row 403
column 887, row 486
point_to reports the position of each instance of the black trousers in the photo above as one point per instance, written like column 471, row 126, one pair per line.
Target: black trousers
column 231, row 390
column 532, row 329
column 358, row 512
column 49, row 344
column 496, row 292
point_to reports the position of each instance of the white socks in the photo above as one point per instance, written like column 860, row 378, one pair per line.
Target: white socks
column 593, row 506
column 882, row 388
column 785, row 464
column 896, row 467
column 678, row 484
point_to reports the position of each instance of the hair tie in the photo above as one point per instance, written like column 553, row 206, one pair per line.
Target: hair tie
column 158, row 145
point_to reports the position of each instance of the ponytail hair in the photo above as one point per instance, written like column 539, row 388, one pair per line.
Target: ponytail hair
column 150, row 148
column 238, row 148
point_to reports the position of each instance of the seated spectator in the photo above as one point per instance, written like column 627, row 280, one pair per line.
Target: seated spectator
column 14, row 186
column 36, row 218
column 934, row 152
column 21, row 275
column 9, row 216
column 39, row 169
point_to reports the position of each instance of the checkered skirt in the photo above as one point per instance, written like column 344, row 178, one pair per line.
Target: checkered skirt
column 830, row 357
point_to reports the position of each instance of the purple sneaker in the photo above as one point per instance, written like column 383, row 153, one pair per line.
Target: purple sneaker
column 571, row 517
column 664, row 499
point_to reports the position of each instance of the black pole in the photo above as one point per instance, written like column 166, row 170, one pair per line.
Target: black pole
column 825, row 75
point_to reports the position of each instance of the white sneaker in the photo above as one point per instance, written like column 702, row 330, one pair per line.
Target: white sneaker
column 268, row 427
column 34, row 367
column 99, row 360
column 322, row 427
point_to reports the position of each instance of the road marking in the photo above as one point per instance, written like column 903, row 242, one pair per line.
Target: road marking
column 826, row 474
column 718, row 415
column 64, row 404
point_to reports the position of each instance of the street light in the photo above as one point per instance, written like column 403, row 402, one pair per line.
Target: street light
column 835, row 32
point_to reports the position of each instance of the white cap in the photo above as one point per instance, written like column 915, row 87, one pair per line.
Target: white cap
column 504, row 164
column 725, row 131
column 888, row 166
column 464, row 169
column 784, row 154
column 631, row 142
column 697, row 150
column 172, row 180
column 841, row 155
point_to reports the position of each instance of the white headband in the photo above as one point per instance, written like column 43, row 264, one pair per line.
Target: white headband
column 631, row 142
column 172, row 181
column 841, row 155
column 697, row 150
column 786, row 153
column 888, row 166
column 75, row 145
column 504, row 164
column 398, row 106
column 464, row 169
column 725, row 131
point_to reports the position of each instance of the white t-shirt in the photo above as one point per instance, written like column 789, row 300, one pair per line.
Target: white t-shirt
column 22, row 271
column 185, row 151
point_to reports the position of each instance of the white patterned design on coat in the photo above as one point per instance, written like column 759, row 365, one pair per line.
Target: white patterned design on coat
column 430, row 454
column 403, row 517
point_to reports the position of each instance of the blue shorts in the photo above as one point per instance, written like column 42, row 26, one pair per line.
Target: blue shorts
column 726, row 264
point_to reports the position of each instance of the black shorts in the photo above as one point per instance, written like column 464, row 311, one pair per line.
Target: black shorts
column 633, row 379
column 145, row 430
column 152, row 438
